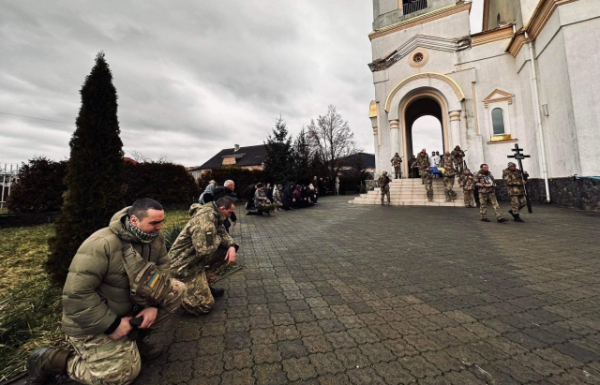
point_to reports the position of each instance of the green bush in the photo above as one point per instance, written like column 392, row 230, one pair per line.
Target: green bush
column 164, row 182
column 40, row 187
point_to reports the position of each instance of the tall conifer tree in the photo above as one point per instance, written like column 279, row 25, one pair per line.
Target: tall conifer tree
column 95, row 168
column 278, row 162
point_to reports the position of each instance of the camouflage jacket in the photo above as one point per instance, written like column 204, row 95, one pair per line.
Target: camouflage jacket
column 448, row 165
column 201, row 237
column 458, row 155
column 423, row 161
column 481, row 180
column 384, row 182
column 514, row 181
column 467, row 182
column 396, row 161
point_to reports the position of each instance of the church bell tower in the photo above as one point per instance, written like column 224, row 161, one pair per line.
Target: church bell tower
column 388, row 12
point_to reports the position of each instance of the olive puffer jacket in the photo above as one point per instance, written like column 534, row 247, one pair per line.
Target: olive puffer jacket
column 96, row 293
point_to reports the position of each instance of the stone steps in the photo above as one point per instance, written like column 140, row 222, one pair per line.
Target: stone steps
column 411, row 192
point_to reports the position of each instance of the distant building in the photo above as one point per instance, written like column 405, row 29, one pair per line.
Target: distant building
column 367, row 161
column 248, row 158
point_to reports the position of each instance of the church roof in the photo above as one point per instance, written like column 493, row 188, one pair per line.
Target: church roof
column 240, row 157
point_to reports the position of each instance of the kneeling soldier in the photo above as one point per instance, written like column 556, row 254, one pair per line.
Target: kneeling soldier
column 119, row 272
column 202, row 242
column 515, row 180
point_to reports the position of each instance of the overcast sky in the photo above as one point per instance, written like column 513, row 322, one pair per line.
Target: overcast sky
column 193, row 77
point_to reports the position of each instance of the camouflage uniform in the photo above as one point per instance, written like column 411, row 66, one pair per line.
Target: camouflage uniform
column 262, row 203
column 384, row 183
column 459, row 156
column 397, row 163
column 277, row 197
column 427, row 178
column 466, row 182
column 516, row 190
column 423, row 162
column 449, row 175
column 203, row 242
column 487, row 193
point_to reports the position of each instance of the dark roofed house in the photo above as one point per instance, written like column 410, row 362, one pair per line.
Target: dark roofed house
column 249, row 158
column 365, row 159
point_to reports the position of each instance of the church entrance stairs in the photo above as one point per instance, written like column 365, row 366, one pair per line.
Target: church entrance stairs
column 411, row 192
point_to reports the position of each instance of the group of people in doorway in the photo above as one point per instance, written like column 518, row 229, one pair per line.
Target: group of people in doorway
column 452, row 165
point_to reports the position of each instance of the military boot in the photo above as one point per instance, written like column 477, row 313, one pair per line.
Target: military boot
column 45, row 362
column 216, row 292
column 485, row 220
column 502, row 220
column 511, row 213
column 148, row 352
column 518, row 218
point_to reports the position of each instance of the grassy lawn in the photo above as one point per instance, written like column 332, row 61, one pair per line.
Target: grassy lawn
column 30, row 307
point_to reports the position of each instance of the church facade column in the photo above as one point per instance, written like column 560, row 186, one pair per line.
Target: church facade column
column 394, row 139
column 454, row 129
column 376, row 143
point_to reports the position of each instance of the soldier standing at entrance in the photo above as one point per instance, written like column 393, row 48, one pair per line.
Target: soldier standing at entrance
column 423, row 161
column 515, row 180
column 484, row 180
column 459, row 159
column 449, row 174
column 427, row 178
column 384, row 183
column 466, row 182
column 397, row 162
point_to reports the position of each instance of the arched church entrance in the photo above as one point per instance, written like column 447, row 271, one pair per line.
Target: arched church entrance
column 423, row 108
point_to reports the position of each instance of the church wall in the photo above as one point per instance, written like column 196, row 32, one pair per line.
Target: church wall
column 582, row 52
column 453, row 26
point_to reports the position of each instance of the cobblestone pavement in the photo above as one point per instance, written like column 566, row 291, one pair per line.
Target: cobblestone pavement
column 345, row 294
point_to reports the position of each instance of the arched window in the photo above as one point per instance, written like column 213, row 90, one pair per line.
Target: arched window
column 498, row 121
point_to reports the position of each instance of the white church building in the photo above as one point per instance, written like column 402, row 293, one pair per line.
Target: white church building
column 531, row 77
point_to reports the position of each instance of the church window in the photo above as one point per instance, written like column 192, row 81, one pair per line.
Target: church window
column 498, row 121
column 418, row 57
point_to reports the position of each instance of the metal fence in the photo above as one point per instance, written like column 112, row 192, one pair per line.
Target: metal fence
column 9, row 174
column 410, row 6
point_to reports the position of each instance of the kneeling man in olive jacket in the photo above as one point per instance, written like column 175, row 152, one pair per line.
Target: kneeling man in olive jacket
column 119, row 273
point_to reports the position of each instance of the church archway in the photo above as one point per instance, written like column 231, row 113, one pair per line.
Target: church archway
column 421, row 105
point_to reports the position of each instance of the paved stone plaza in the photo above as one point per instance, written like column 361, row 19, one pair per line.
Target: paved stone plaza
column 346, row 294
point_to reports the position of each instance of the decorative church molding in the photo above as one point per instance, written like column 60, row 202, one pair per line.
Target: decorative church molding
column 425, row 75
column 500, row 33
column 425, row 18
column 538, row 21
column 498, row 96
column 420, row 41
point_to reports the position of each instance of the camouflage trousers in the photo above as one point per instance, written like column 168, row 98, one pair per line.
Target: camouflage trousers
column 517, row 202
column 448, row 188
column 267, row 208
column 198, row 299
column 429, row 190
column 100, row 360
column 469, row 198
column 385, row 192
column 483, row 199
column 397, row 172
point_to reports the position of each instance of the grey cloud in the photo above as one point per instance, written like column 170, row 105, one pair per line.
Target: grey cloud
column 192, row 77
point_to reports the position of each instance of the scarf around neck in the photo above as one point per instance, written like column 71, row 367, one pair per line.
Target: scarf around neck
column 139, row 234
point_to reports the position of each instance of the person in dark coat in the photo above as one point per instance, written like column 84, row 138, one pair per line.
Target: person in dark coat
column 287, row 199
column 297, row 194
column 269, row 191
column 248, row 195
column 322, row 190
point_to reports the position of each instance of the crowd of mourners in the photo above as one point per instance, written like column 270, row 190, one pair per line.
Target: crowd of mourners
column 264, row 198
